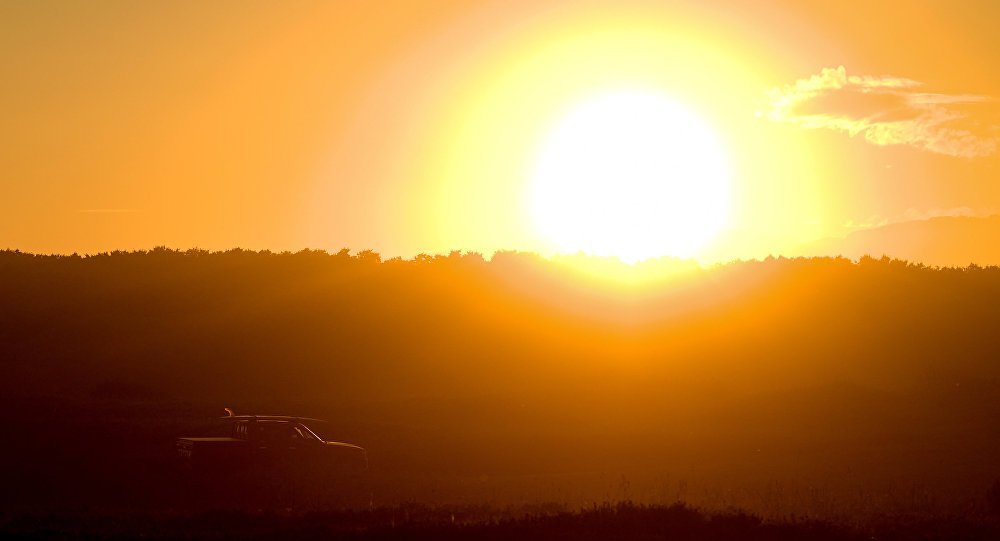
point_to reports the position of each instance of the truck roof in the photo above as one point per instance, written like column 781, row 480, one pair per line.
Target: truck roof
column 270, row 418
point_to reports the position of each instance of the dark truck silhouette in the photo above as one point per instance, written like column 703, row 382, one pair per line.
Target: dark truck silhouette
column 267, row 443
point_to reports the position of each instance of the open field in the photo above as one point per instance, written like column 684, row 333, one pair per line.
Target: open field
column 871, row 397
column 418, row 522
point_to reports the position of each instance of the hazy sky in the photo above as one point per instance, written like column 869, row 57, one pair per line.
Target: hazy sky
column 411, row 127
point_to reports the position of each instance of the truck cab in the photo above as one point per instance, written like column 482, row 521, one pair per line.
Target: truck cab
column 270, row 441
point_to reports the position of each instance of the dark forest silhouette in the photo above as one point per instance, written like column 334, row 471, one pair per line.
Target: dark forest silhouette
column 822, row 372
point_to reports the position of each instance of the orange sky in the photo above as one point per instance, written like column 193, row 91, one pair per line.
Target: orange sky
column 410, row 127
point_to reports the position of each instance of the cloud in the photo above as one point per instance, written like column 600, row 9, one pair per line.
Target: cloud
column 914, row 214
column 890, row 110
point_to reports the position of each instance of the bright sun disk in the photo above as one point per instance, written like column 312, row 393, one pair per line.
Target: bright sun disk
column 631, row 174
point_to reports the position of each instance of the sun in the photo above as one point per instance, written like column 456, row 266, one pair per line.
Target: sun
column 631, row 174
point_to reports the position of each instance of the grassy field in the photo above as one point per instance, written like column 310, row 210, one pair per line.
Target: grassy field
column 541, row 522
column 864, row 396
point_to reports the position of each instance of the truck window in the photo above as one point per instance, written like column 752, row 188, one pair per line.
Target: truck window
column 273, row 432
column 300, row 433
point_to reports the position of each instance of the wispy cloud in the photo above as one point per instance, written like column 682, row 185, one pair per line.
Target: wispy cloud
column 889, row 110
column 914, row 214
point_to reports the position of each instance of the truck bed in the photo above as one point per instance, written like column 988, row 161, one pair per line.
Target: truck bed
column 210, row 451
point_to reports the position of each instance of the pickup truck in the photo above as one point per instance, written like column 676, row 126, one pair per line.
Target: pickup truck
column 260, row 442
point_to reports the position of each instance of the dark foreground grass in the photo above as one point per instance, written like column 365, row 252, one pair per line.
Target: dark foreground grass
column 624, row 521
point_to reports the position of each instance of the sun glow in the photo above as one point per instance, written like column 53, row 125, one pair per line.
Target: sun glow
column 630, row 174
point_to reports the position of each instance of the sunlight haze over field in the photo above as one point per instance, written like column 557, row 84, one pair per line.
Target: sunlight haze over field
column 500, row 269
